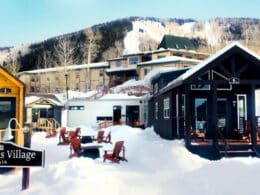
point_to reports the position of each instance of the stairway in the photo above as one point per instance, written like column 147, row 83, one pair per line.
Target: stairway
column 236, row 151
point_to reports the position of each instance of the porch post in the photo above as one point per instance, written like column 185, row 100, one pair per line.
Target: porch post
column 251, row 106
column 188, row 111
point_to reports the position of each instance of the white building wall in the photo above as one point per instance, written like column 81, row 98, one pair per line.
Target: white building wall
column 94, row 108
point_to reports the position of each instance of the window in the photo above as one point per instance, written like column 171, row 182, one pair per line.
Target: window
column 118, row 63
column 156, row 110
column 77, row 74
column 5, row 90
column 183, row 105
column 101, row 73
column 146, row 71
column 76, row 108
column 155, row 88
column 166, row 108
column 160, row 56
column 133, row 60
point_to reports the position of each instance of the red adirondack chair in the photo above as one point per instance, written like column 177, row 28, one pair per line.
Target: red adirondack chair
column 75, row 147
column 114, row 156
column 63, row 138
column 101, row 137
column 66, row 136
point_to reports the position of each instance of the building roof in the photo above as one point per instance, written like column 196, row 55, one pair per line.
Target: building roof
column 168, row 60
column 174, row 72
column 170, row 41
column 178, row 81
column 11, row 77
column 121, row 69
column 71, row 67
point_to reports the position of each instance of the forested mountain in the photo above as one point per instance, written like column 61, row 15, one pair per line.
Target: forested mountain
column 134, row 34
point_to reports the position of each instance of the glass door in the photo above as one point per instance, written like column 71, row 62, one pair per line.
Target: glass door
column 201, row 115
column 241, row 113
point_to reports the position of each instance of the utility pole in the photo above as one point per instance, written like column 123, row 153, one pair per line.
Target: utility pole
column 89, row 61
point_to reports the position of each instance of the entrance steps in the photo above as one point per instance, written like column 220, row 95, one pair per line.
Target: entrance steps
column 237, row 151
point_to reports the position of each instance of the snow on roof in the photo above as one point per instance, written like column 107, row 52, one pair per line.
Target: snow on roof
column 170, row 59
column 129, row 84
column 71, row 67
column 75, row 95
column 32, row 99
column 121, row 69
column 155, row 72
column 196, row 68
column 118, row 96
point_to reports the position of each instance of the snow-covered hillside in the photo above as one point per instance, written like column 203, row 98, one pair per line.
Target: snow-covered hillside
column 146, row 30
column 13, row 53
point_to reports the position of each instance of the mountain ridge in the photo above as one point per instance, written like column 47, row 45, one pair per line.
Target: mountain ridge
column 117, row 37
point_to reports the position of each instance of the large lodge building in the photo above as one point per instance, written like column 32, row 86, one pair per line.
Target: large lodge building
column 104, row 75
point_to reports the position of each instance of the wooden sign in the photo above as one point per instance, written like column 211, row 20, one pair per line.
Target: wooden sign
column 12, row 155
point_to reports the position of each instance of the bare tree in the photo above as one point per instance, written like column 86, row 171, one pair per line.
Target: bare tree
column 90, row 46
column 13, row 66
column 65, row 54
column 90, row 49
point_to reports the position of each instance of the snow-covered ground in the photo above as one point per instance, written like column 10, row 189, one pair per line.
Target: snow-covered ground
column 155, row 166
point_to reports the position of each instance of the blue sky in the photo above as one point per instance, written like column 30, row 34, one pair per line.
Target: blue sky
column 27, row 21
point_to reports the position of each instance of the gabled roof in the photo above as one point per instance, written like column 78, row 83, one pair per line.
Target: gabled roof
column 170, row 41
column 178, row 81
column 11, row 78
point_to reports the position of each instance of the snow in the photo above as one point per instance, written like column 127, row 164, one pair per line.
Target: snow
column 155, row 167
column 75, row 94
column 118, row 96
column 151, row 29
column 187, row 27
column 71, row 67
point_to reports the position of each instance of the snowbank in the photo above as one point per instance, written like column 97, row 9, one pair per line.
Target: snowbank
column 155, row 166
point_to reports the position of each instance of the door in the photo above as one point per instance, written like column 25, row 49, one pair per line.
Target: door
column 116, row 114
column 132, row 116
column 201, row 115
column 241, row 112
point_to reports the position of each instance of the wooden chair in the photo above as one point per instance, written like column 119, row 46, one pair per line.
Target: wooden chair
column 77, row 150
column 101, row 137
column 75, row 147
column 66, row 136
column 247, row 131
column 114, row 156
column 63, row 138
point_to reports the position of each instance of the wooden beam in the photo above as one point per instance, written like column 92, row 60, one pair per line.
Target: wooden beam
column 241, row 70
column 226, row 72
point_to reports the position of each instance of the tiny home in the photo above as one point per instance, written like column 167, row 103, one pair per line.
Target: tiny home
column 116, row 108
column 212, row 105
column 11, row 106
column 42, row 110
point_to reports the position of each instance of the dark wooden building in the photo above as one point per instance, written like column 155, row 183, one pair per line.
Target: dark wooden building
column 212, row 105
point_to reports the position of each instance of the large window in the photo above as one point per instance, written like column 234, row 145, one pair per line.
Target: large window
column 201, row 115
column 166, row 108
column 155, row 88
column 156, row 110
column 133, row 60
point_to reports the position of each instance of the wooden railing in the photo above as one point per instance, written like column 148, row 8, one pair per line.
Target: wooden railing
column 105, row 124
column 47, row 124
